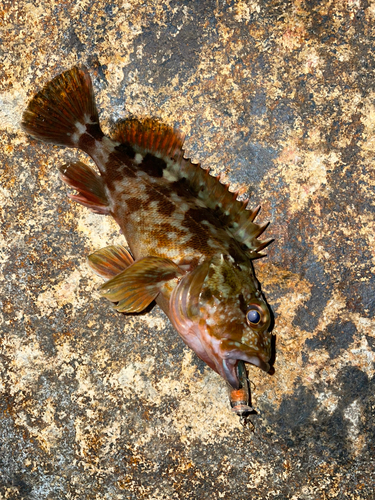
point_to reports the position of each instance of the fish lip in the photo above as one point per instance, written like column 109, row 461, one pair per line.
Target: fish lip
column 257, row 361
column 230, row 372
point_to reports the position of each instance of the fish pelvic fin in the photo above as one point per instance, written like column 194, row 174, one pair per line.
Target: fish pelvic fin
column 64, row 111
column 110, row 261
column 90, row 186
column 136, row 287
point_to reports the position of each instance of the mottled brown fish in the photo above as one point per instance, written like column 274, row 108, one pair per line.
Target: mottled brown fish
column 191, row 240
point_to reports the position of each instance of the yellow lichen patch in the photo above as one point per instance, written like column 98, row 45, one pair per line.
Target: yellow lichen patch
column 293, row 37
column 311, row 61
column 50, row 435
column 100, row 231
column 86, row 389
column 136, row 379
column 94, row 441
column 354, row 415
column 209, row 396
column 11, row 106
column 27, row 361
column 65, row 292
column 361, row 354
column 335, row 305
column 304, row 173
column 368, row 120
column 243, row 10
column 155, row 323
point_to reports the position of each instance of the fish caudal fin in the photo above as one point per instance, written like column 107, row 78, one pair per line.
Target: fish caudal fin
column 89, row 184
column 64, row 111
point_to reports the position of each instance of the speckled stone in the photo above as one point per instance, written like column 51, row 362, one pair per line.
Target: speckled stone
column 278, row 96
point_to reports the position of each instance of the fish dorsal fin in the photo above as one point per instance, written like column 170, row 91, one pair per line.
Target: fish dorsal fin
column 110, row 261
column 136, row 287
column 149, row 135
column 232, row 213
column 153, row 137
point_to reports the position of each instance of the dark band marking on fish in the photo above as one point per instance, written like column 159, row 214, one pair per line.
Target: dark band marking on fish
column 126, row 149
column 152, row 165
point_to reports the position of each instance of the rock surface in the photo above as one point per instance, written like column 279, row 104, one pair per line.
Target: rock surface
column 279, row 97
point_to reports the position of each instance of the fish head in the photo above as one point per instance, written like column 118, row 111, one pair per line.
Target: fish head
column 221, row 314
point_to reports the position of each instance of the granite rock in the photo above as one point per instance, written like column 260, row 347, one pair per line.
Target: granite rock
column 279, row 97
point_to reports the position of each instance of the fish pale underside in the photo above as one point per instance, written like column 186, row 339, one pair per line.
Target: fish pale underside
column 191, row 241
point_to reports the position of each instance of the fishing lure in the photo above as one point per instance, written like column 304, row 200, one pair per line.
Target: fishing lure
column 191, row 241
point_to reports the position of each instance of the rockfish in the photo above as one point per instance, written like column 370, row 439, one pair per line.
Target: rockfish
column 191, row 241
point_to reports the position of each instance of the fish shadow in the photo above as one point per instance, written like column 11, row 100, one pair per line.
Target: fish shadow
column 272, row 359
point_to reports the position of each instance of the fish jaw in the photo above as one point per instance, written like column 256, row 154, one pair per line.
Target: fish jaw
column 214, row 324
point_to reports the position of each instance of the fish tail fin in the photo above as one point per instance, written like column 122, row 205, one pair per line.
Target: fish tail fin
column 64, row 111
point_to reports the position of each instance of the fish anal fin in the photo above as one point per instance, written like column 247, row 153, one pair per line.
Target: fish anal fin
column 136, row 287
column 89, row 185
column 149, row 135
column 110, row 261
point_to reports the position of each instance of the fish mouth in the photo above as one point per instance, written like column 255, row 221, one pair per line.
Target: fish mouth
column 230, row 372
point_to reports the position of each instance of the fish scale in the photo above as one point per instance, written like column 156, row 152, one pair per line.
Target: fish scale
column 192, row 242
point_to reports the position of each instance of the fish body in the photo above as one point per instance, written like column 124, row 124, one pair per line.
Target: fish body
column 191, row 241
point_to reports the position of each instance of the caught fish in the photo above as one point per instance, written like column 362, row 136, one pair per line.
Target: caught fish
column 191, row 241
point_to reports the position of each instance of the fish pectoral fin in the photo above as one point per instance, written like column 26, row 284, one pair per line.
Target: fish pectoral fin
column 136, row 287
column 88, row 183
column 110, row 261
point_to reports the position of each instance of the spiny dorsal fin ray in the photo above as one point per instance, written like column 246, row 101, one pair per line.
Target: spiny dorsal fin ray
column 232, row 212
column 136, row 287
column 151, row 136
column 110, row 261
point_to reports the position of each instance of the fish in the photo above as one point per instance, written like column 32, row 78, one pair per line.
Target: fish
column 191, row 241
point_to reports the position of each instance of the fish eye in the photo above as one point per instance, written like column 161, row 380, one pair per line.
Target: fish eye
column 253, row 315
